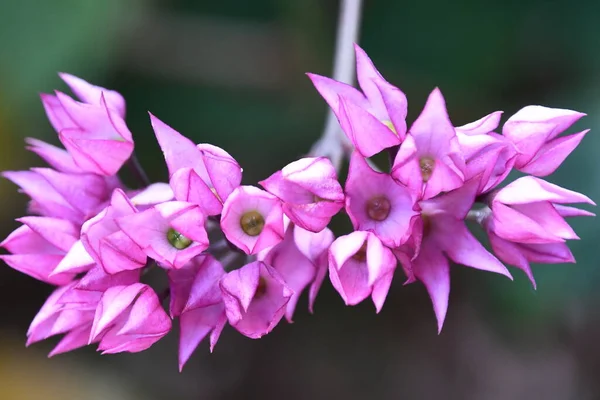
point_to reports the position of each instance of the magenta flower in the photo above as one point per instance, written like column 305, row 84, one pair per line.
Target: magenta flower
column 94, row 134
column 40, row 245
column 92, row 94
column 57, row 158
column 488, row 156
column 129, row 318
column 203, row 174
column 70, row 309
column 444, row 234
column 255, row 298
column 108, row 245
column 525, row 212
column 309, row 190
column 361, row 266
column 374, row 119
column 534, row 131
column 196, row 300
column 376, row 202
column 171, row 233
column 252, row 219
column 301, row 268
column 74, row 197
column 533, row 241
column 62, row 317
column 430, row 158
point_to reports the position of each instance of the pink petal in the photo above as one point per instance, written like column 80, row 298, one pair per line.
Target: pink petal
column 552, row 154
column 431, row 268
column 57, row 158
column 387, row 101
column 195, row 325
column 179, row 151
column 92, row 94
column 530, row 189
column 368, row 134
column 457, row 242
column 482, row 126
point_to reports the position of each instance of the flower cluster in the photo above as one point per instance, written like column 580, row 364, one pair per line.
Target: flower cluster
column 242, row 255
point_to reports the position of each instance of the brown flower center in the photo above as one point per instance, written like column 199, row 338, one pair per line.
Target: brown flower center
column 378, row 208
column 252, row 223
column 261, row 289
column 427, row 165
column 361, row 254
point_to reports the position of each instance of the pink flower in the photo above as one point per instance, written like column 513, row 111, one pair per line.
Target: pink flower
column 376, row 202
column 255, row 298
column 430, row 159
column 202, row 174
column 526, row 223
column 94, row 133
column 108, row 245
column 361, row 266
column 39, row 247
column 92, row 94
column 374, row 119
column 74, row 197
column 57, row 158
column 488, row 156
column 309, row 190
column 444, row 234
column 252, row 219
column 129, row 318
column 196, row 299
column 62, row 317
column 70, row 309
column 534, row 131
column 526, row 211
column 301, row 265
column 171, row 233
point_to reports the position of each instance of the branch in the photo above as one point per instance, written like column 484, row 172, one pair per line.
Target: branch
column 333, row 142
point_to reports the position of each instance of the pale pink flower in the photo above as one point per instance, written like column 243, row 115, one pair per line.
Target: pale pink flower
column 361, row 266
column 309, row 190
column 252, row 219
column 373, row 119
column 534, row 131
column 376, row 202
column 430, row 159
column 129, row 318
column 171, row 233
column 255, row 298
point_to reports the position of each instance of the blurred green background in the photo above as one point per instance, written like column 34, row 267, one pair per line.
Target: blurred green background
column 231, row 73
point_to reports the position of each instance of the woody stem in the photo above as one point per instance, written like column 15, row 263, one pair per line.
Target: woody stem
column 136, row 169
column 333, row 143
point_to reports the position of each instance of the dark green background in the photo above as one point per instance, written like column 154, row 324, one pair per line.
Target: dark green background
column 231, row 73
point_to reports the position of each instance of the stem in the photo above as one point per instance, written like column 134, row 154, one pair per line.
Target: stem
column 333, row 141
column 136, row 168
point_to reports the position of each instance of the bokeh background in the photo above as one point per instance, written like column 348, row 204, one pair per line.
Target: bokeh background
column 232, row 73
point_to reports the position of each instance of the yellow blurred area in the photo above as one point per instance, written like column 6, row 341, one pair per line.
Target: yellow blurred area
column 30, row 375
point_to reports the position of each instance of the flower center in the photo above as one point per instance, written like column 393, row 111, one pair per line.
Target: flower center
column 378, row 208
column 252, row 223
column 361, row 254
column 426, row 224
column 390, row 125
column 261, row 289
column 177, row 240
column 427, row 164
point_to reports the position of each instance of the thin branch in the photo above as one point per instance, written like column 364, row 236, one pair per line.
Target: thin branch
column 333, row 141
column 136, row 168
